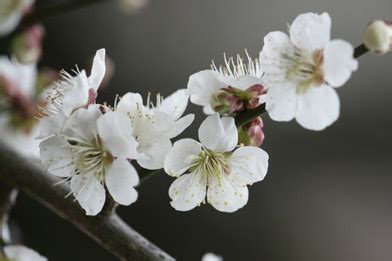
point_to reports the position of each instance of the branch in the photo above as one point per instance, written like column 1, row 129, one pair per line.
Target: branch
column 107, row 229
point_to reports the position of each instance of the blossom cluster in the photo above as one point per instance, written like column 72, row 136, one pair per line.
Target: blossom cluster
column 98, row 149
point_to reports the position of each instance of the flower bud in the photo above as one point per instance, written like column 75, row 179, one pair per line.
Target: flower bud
column 254, row 92
column 252, row 133
column 27, row 46
column 224, row 102
column 378, row 37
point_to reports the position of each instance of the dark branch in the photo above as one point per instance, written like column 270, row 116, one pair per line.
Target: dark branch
column 107, row 229
column 360, row 50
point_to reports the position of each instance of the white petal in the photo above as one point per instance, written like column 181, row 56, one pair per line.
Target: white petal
column 22, row 253
column 77, row 96
column 243, row 82
column 281, row 101
column 187, row 191
column 311, row 31
column 56, row 156
column 179, row 158
column 115, row 130
column 51, row 125
column 89, row 192
column 248, row 165
column 129, row 103
column 201, row 87
column 211, row 257
column 273, row 57
column 224, row 195
column 82, row 123
column 155, row 153
column 338, row 62
column 120, row 179
column 318, row 108
column 218, row 134
column 175, row 104
column 98, row 69
column 180, row 125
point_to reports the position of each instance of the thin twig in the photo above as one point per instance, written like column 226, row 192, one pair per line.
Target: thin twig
column 360, row 50
column 107, row 229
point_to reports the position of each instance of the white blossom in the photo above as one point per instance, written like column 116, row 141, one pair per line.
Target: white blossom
column 154, row 126
column 210, row 168
column 71, row 93
column 22, row 253
column 211, row 257
column 237, row 73
column 302, row 69
column 18, row 106
column 94, row 150
column 11, row 12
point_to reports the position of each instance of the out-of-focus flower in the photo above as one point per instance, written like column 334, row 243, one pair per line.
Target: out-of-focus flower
column 18, row 106
column 213, row 169
column 378, row 37
column 69, row 94
column 27, row 46
column 21, row 253
column 302, row 69
column 251, row 134
column 224, row 89
column 154, row 126
column 92, row 151
column 132, row 6
column 211, row 257
column 11, row 12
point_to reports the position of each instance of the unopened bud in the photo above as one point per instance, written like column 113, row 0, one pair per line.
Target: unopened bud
column 27, row 46
column 378, row 37
column 252, row 133
column 254, row 92
column 225, row 102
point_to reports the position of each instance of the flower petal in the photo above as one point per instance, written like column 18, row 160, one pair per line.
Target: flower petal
column 129, row 103
column 82, row 123
column 248, row 165
column 89, row 192
column 56, row 156
column 77, row 96
column 175, row 104
column 224, row 195
column 51, row 125
column 115, row 130
column 281, row 101
column 155, row 153
column 120, row 179
column 318, row 108
column 22, row 253
column 179, row 158
column 180, row 125
column 218, row 134
column 187, row 191
column 338, row 62
column 97, row 70
column 201, row 87
column 273, row 61
column 311, row 31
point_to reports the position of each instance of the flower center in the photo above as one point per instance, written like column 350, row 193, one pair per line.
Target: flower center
column 211, row 163
column 306, row 69
column 90, row 157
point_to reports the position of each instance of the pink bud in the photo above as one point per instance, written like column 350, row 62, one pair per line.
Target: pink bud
column 252, row 133
column 254, row 92
column 224, row 102
column 27, row 46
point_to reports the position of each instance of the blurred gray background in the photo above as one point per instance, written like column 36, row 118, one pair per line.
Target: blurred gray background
column 327, row 195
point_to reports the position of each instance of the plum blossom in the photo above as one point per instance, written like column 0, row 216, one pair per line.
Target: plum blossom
column 11, row 12
column 27, row 46
column 210, row 168
column 21, row 253
column 211, row 257
column 154, row 126
column 302, row 70
column 91, row 152
column 378, row 37
column 18, row 106
column 71, row 93
column 230, row 88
